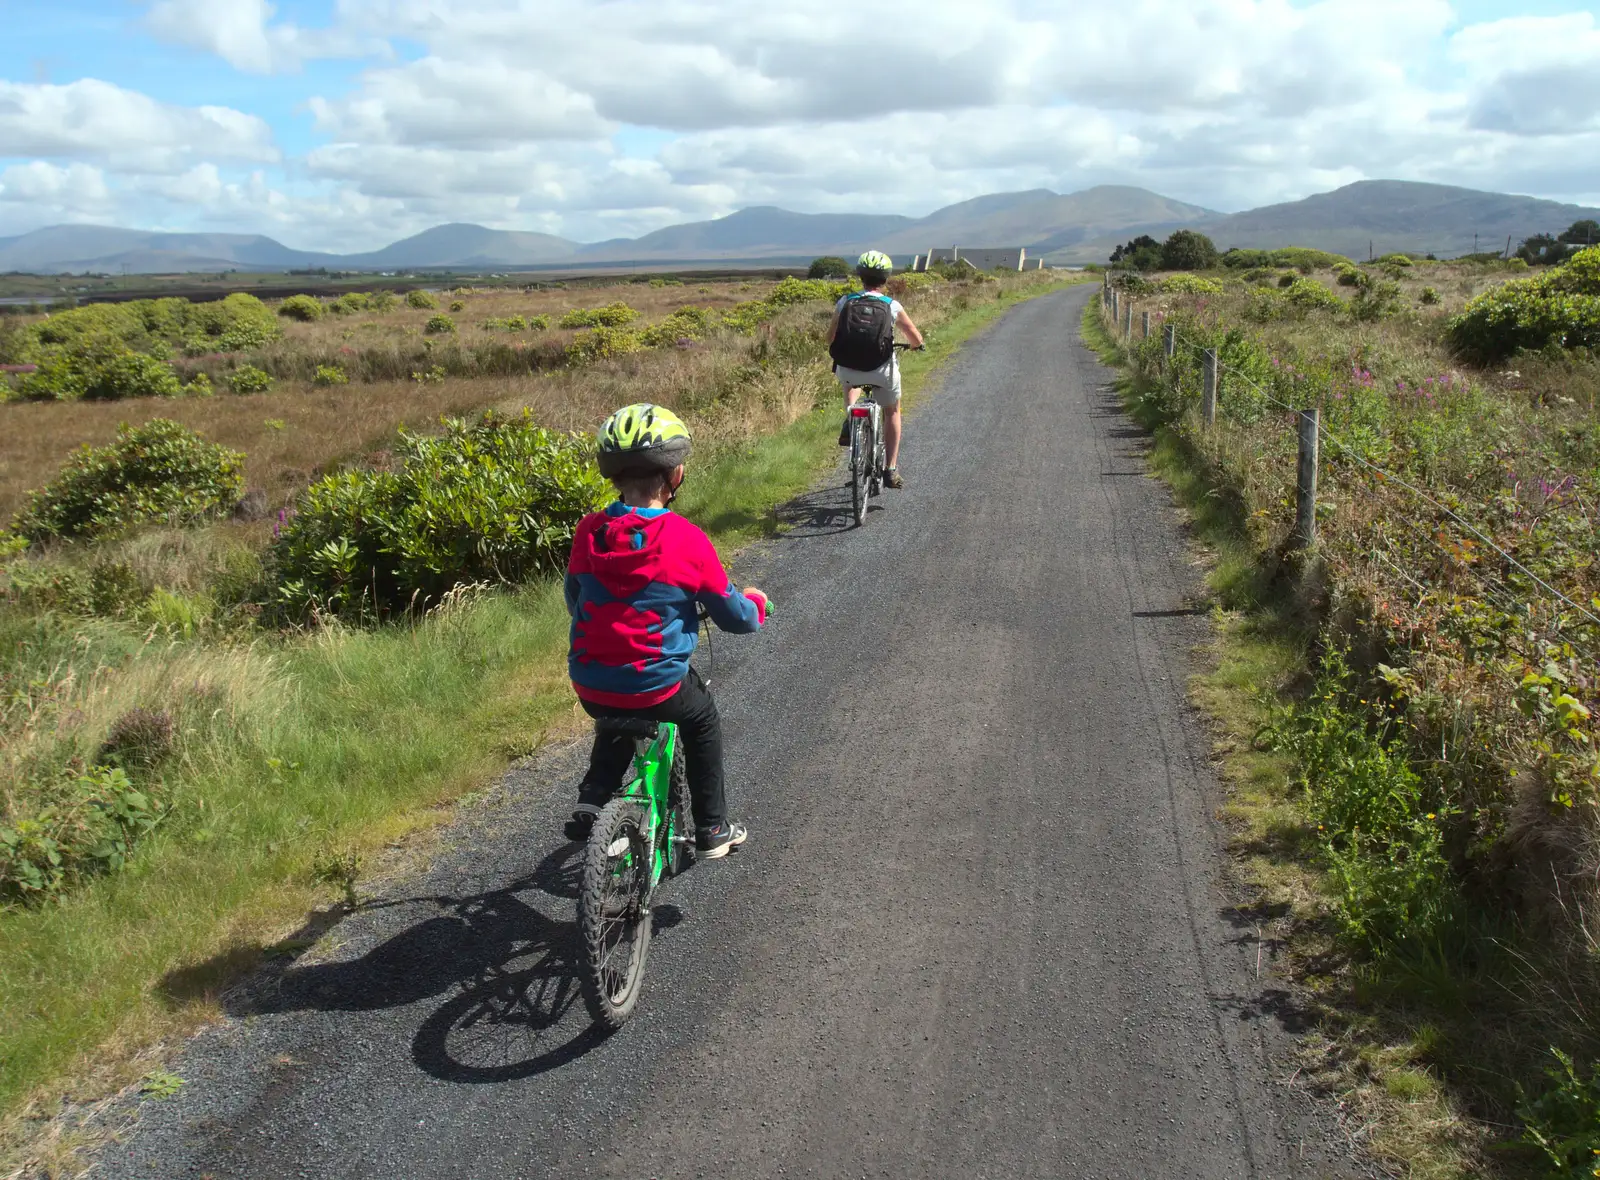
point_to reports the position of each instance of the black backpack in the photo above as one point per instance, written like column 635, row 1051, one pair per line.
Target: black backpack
column 865, row 339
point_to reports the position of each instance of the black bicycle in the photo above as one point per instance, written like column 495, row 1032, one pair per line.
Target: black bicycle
column 867, row 451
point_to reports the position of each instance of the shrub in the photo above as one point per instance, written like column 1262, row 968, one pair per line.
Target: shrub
column 496, row 502
column 139, row 739
column 421, row 299
column 1564, row 1121
column 199, row 386
column 509, row 324
column 458, row 305
column 304, row 308
column 828, row 267
column 330, row 375
column 687, row 323
column 350, row 303
column 600, row 343
column 249, row 379
column 379, row 302
column 159, row 471
column 1428, row 296
column 1375, row 301
column 1310, row 295
column 99, row 368
column 1560, row 308
column 1142, row 253
column 438, row 325
column 1186, row 284
column 1188, row 249
column 89, row 826
column 538, row 323
column 613, row 315
column 1350, row 276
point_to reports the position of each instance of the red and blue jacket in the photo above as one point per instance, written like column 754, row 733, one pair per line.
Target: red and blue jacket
column 633, row 580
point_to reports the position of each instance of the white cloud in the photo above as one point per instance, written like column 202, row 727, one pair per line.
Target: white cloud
column 91, row 120
column 240, row 32
column 75, row 189
column 1536, row 76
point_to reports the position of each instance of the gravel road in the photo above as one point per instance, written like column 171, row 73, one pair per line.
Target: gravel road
column 978, row 930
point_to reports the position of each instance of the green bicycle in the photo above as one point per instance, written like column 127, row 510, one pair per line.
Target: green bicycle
column 642, row 835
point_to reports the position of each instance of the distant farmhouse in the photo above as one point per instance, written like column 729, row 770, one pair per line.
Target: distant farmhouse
column 985, row 258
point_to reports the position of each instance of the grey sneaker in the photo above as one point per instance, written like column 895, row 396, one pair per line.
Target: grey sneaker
column 717, row 842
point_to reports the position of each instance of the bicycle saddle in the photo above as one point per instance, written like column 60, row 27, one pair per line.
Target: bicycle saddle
column 633, row 727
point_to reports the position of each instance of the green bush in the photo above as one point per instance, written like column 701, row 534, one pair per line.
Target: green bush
column 687, row 323
column 1563, row 1123
column 1428, row 296
column 1560, row 308
column 89, row 825
column 421, row 299
column 199, row 386
column 438, row 325
column 304, row 308
column 493, row 502
column 159, row 471
column 1375, row 301
column 350, row 303
column 613, row 315
column 458, row 305
column 249, row 379
column 1298, row 258
column 828, row 267
column 513, row 323
column 1310, row 295
column 330, row 375
column 598, row 344
column 538, row 323
column 99, row 368
column 1188, row 249
column 1186, row 284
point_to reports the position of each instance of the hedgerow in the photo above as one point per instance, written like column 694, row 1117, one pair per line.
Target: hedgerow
column 1558, row 309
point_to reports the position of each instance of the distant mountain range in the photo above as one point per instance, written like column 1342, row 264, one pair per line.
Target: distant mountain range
column 1386, row 215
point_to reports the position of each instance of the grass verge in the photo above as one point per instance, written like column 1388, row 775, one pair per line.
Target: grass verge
column 1393, row 1042
column 330, row 748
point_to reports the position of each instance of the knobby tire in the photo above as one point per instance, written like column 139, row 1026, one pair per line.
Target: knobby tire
column 614, row 913
column 860, row 465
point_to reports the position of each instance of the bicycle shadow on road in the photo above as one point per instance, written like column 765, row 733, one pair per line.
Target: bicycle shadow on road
column 508, row 974
column 817, row 514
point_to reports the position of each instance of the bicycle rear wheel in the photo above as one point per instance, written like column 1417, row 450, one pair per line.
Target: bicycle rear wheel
column 860, row 465
column 614, row 912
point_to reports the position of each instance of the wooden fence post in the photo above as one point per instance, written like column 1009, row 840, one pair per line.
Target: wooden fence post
column 1208, row 392
column 1171, row 334
column 1305, row 525
column 1146, row 335
column 1127, row 322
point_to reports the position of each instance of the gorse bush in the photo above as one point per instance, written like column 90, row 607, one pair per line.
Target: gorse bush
column 421, row 299
column 1559, row 309
column 438, row 325
column 305, row 308
column 492, row 502
column 159, row 471
column 157, row 326
column 613, row 315
column 330, row 375
column 458, row 305
column 687, row 323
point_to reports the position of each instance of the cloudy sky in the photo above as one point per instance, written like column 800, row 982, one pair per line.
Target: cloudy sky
column 344, row 124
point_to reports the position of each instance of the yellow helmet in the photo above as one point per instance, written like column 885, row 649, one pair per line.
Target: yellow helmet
column 642, row 437
column 874, row 260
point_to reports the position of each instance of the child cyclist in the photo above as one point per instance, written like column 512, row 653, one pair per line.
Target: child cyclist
column 636, row 575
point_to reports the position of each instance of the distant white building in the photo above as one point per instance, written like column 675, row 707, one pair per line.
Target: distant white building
column 981, row 258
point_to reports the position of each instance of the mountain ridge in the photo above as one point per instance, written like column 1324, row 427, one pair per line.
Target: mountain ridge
column 1376, row 215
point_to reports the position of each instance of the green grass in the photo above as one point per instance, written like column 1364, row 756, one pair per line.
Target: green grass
column 1378, row 1044
column 334, row 745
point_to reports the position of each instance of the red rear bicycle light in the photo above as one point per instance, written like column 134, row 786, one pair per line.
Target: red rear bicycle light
column 860, row 412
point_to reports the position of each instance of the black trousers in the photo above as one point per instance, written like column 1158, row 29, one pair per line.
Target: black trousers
column 693, row 711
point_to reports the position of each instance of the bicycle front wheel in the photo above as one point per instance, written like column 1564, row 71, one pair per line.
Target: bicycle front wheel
column 614, row 912
column 860, row 466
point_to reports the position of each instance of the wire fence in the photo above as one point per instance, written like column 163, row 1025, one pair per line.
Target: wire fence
column 1121, row 314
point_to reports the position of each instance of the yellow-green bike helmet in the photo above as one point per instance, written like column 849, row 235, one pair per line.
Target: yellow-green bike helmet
column 642, row 438
column 875, row 260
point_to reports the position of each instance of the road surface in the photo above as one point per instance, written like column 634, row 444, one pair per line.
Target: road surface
column 977, row 931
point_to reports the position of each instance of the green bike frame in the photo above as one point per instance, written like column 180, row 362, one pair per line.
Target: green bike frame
column 652, row 787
